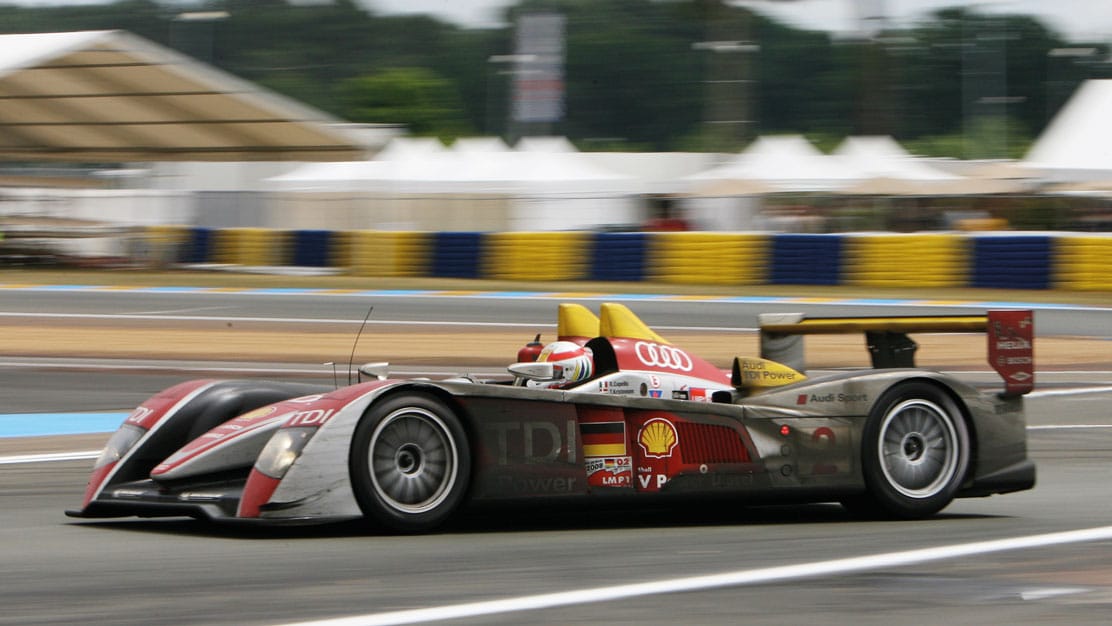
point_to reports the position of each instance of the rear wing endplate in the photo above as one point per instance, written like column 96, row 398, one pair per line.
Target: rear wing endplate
column 1010, row 339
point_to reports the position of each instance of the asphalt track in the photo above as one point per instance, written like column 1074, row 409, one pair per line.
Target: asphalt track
column 142, row 304
column 758, row 565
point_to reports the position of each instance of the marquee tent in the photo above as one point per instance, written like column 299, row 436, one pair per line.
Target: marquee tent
column 97, row 96
column 541, row 185
column 1077, row 144
column 477, row 164
column 885, row 168
column 787, row 163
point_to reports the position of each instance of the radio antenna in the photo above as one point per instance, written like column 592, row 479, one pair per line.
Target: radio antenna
column 351, row 359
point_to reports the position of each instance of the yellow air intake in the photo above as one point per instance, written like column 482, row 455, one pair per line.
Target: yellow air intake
column 756, row 373
column 576, row 320
column 618, row 321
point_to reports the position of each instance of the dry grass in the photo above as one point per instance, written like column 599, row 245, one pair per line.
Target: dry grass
column 484, row 347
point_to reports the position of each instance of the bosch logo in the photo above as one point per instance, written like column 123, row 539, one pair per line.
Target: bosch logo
column 656, row 355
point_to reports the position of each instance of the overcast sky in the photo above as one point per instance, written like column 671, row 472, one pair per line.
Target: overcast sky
column 1089, row 20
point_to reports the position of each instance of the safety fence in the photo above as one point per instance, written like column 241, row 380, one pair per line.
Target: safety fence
column 1080, row 262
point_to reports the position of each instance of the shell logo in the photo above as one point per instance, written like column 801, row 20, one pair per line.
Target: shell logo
column 658, row 438
column 257, row 413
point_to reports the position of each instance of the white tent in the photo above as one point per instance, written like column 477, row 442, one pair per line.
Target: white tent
column 543, row 184
column 887, row 169
column 1077, row 145
column 470, row 165
column 401, row 161
column 786, row 163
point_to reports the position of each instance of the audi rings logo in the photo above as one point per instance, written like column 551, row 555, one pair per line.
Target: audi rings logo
column 656, row 355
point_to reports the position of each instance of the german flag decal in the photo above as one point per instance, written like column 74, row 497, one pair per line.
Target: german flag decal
column 603, row 438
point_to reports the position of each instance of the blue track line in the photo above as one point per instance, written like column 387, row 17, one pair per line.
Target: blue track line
column 569, row 294
column 49, row 424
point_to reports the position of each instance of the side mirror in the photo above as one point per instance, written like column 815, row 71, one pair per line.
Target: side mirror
column 374, row 371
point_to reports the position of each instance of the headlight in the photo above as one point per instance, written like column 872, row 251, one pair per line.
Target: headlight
column 282, row 450
column 118, row 445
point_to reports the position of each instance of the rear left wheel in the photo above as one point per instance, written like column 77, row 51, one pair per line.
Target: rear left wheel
column 915, row 453
column 410, row 463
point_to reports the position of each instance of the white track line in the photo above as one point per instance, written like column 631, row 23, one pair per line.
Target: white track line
column 52, row 457
column 1068, row 426
column 320, row 320
column 1074, row 391
column 187, row 366
column 736, row 578
column 272, row 320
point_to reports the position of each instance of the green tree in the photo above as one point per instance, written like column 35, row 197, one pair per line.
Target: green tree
column 1016, row 83
column 426, row 103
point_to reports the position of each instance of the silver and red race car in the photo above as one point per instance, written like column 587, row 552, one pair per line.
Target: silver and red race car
column 609, row 410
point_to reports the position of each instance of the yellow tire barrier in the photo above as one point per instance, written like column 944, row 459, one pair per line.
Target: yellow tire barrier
column 896, row 260
column 251, row 246
column 1083, row 263
column 384, row 253
column 536, row 256
column 705, row 258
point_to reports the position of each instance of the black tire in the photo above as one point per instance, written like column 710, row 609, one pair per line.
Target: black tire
column 914, row 453
column 410, row 463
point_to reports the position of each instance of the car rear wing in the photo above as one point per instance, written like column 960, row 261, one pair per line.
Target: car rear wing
column 1010, row 339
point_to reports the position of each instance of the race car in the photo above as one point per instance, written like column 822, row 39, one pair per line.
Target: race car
column 609, row 410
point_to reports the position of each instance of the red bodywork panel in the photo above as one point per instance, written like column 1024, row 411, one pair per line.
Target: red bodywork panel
column 145, row 416
column 1011, row 349
column 256, row 493
column 640, row 355
column 152, row 411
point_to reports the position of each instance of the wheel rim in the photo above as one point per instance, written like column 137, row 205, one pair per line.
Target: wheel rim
column 412, row 460
column 918, row 448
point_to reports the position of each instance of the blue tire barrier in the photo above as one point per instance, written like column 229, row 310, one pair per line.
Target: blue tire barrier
column 805, row 260
column 618, row 257
column 1012, row 262
column 312, row 248
column 198, row 248
column 457, row 255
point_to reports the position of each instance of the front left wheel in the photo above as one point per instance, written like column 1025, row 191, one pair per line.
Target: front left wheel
column 410, row 463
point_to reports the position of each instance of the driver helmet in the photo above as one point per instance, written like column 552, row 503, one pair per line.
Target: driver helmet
column 572, row 362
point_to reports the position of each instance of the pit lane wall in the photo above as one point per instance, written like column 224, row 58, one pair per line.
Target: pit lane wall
column 1080, row 262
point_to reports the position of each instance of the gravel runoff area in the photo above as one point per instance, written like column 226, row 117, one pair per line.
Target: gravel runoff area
column 422, row 345
column 403, row 345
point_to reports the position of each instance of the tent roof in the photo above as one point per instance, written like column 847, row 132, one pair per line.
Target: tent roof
column 1077, row 145
column 887, row 169
column 472, row 165
column 882, row 157
column 785, row 163
column 113, row 96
